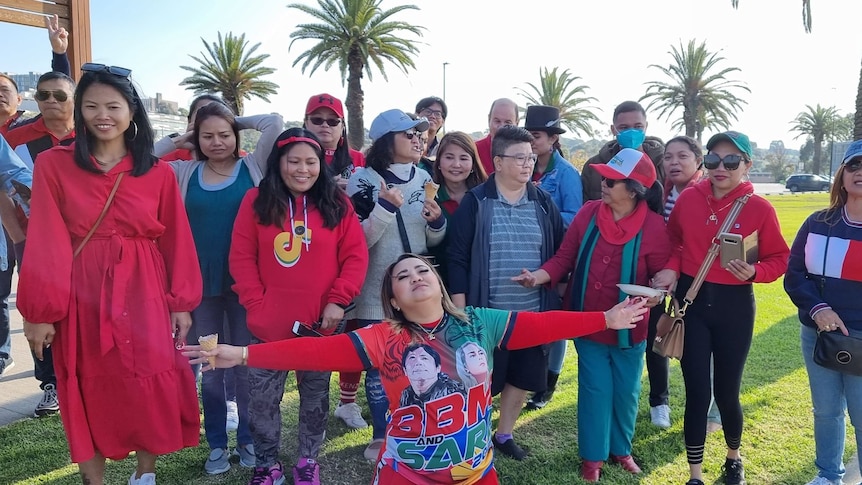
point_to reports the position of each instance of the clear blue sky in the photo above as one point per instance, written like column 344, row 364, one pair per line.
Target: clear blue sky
column 495, row 47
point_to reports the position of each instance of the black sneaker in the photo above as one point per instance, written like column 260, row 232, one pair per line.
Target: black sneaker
column 509, row 448
column 537, row 401
column 49, row 403
column 6, row 363
column 694, row 481
column 733, row 472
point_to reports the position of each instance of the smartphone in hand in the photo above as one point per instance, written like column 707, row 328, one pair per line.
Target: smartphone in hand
column 301, row 330
column 22, row 190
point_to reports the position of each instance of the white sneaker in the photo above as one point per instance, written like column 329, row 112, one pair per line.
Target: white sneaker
column 825, row 481
column 146, row 479
column 660, row 415
column 232, row 422
column 351, row 415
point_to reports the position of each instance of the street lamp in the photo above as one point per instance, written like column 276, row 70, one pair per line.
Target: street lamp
column 444, row 80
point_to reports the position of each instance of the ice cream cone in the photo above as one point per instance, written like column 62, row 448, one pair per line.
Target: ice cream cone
column 431, row 190
column 209, row 342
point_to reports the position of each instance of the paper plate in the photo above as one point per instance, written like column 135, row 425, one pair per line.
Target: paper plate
column 638, row 290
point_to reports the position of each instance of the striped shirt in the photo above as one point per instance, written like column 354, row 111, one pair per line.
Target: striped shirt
column 516, row 243
column 671, row 201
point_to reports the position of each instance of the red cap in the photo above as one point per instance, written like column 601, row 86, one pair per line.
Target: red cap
column 324, row 101
column 629, row 164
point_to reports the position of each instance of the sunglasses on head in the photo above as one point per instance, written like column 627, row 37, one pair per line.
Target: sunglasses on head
column 115, row 70
column 45, row 95
column 317, row 121
column 711, row 161
column 853, row 166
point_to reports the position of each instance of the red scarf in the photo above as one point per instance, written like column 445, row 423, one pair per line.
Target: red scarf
column 621, row 231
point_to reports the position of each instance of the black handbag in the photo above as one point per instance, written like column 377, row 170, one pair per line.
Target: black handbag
column 837, row 351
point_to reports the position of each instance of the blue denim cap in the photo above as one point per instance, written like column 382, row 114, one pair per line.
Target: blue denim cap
column 394, row 121
column 853, row 151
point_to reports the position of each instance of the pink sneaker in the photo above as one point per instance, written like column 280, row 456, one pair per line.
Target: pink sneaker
column 273, row 475
column 306, row 472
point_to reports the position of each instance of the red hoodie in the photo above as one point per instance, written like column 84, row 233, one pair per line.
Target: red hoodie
column 281, row 279
column 691, row 233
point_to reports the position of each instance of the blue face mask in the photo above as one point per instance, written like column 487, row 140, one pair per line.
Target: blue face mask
column 631, row 138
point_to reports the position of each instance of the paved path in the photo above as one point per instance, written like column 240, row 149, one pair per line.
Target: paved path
column 19, row 390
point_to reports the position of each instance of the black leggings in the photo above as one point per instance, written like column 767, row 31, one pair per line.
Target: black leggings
column 719, row 324
column 658, row 368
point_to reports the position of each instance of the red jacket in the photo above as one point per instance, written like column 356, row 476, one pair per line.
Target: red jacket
column 691, row 233
column 280, row 279
column 605, row 268
column 36, row 136
column 483, row 147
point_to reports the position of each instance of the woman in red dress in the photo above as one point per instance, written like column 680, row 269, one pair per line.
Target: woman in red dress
column 115, row 306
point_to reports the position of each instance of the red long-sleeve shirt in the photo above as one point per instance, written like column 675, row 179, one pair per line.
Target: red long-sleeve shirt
column 439, row 393
column 282, row 277
column 691, row 233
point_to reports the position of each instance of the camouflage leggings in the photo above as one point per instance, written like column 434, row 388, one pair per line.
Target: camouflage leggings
column 266, row 388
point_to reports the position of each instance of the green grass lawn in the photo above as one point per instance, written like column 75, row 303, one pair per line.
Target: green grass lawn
column 777, row 447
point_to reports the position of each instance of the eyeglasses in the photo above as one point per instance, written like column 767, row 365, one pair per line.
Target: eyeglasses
column 317, row 121
column 522, row 160
column 428, row 112
column 411, row 134
column 731, row 162
column 115, row 70
column 44, row 95
column 853, row 166
column 609, row 183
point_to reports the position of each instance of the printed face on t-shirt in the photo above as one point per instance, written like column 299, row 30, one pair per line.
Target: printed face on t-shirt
column 420, row 369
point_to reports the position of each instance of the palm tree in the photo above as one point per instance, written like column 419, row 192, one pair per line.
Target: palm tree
column 229, row 68
column 806, row 22
column 818, row 123
column 704, row 95
column 356, row 35
column 557, row 90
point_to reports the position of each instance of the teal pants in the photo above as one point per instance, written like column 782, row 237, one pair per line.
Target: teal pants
column 609, row 385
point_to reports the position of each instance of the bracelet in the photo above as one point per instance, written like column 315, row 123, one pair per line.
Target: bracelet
column 244, row 356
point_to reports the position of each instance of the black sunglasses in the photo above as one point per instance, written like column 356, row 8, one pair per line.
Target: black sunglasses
column 853, row 166
column 45, row 95
column 711, row 161
column 115, row 70
column 610, row 182
column 317, row 121
column 411, row 134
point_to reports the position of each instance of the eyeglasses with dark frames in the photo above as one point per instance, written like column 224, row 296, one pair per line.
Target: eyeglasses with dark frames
column 317, row 121
column 711, row 161
column 428, row 112
column 45, row 94
column 115, row 70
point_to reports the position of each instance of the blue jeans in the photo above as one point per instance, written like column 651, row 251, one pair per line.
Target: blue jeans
column 209, row 318
column 831, row 393
column 378, row 403
column 557, row 356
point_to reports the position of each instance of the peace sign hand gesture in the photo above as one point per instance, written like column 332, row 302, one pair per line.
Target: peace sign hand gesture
column 58, row 36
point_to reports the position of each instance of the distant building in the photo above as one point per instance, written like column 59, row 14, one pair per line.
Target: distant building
column 159, row 105
column 25, row 82
column 165, row 124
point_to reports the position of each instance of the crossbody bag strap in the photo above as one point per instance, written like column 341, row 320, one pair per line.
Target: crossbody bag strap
column 402, row 231
column 101, row 216
column 691, row 294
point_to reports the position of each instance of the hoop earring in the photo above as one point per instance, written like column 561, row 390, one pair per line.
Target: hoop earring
column 135, row 126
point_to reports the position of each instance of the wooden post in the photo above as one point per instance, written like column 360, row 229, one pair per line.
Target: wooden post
column 74, row 16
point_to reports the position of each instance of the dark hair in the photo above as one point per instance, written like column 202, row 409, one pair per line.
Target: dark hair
column 14, row 84
column 396, row 317
column 214, row 110
column 652, row 196
column 416, row 346
column 52, row 75
column 273, row 195
column 380, row 153
column 204, row 97
column 138, row 136
column 427, row 102
column 507, row 136
column 465, row 141
column 627, row 107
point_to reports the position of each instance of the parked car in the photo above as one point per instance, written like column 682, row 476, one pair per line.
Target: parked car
column 806, row 182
